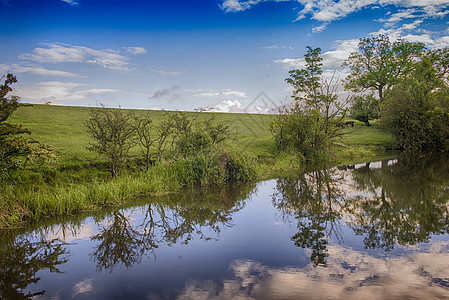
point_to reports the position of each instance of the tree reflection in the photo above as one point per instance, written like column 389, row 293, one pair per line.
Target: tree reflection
column 315, row 201
column 407, row 202
column 21, row 259
column 403, row 202
column 167, row 220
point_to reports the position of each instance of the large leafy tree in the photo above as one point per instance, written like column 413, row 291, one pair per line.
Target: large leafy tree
column 380, row 64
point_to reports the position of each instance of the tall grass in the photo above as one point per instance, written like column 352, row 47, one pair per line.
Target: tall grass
column 63, row 199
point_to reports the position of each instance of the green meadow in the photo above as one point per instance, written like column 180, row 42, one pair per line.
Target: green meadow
column 78, row 180
column 63, row 128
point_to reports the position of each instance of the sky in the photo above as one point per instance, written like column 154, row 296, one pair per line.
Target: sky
column 216, row 55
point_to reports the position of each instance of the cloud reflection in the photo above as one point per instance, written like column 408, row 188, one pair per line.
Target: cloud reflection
column 350, row 275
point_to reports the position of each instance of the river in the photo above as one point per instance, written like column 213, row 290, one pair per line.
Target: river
column 377, row 230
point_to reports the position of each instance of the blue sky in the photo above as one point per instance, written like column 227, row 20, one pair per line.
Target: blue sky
column 218, row 55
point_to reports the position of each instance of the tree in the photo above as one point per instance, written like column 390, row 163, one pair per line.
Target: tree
column 365, row 108
column 416, row 112
column 22, row 260
column 145, row 137
column 14, row 147
column 310, row 124
column 380, row 63
column 113, row 134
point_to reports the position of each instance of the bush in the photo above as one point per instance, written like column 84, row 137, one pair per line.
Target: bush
column 417, row 119
column 365, row 108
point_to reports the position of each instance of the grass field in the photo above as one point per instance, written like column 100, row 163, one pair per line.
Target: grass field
column 63, row 128
column 79, row 180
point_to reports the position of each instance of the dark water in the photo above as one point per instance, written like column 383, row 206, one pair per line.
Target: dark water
column 368, row 231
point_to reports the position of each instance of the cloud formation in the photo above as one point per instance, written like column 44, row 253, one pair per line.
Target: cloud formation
column 60, row 91
column 135, row 50
column 165, row 73
column 225, row 106
column 44, row 71
column 71, row 2
column 329, row 10
column 220, row 93
column 331, row 59
column 171, row 93
column 59, row 53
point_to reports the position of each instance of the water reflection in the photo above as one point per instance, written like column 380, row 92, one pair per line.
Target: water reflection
column 315, row 201
column 169, row 220
column 407, row 202
column 349, row 275
column 159, row 247
column 20, row 261
column 396, row 202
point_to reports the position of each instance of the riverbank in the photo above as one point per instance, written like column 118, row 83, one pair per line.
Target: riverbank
column 79, row 181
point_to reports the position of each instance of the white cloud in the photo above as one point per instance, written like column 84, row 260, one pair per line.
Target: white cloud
column 225, row 106
column 331, row 59
column 58, row 53
column 319, row 28
column 4, row 68
column 238, row 5
column 242, row 5
column 135, row 50
column 59, row 91
column 82, row 287
column 403, row 14
column 45, row 72
column 165, row 73
column 330, row 10
column 275, row 47
column 442, row 42
column 222, row 93
column 71, row 2
column 423, row 38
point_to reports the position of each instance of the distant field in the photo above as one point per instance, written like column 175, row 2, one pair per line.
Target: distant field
column 63, row 128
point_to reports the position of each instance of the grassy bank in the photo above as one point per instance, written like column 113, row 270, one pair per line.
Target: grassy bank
column 79, row 180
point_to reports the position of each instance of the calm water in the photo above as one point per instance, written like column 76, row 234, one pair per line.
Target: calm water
column 374, row 231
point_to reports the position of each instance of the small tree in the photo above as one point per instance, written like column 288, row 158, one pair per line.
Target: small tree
column 365, row 108
column 164, row 131
column 14, row 147
column 113, row 134
column 145, row 137
column 310, row 125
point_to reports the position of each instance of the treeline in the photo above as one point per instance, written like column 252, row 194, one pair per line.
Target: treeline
column 194, row 145
column 401, row 83
column 178, row 136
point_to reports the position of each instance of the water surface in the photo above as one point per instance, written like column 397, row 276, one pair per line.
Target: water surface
column 376, row 230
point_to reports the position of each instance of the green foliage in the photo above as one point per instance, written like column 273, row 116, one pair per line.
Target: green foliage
column 417, row 110
column 365, row 108
column 113, row 134
column 380, row 64
column 311, row 124
column 14, row 147
column 145, row 137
